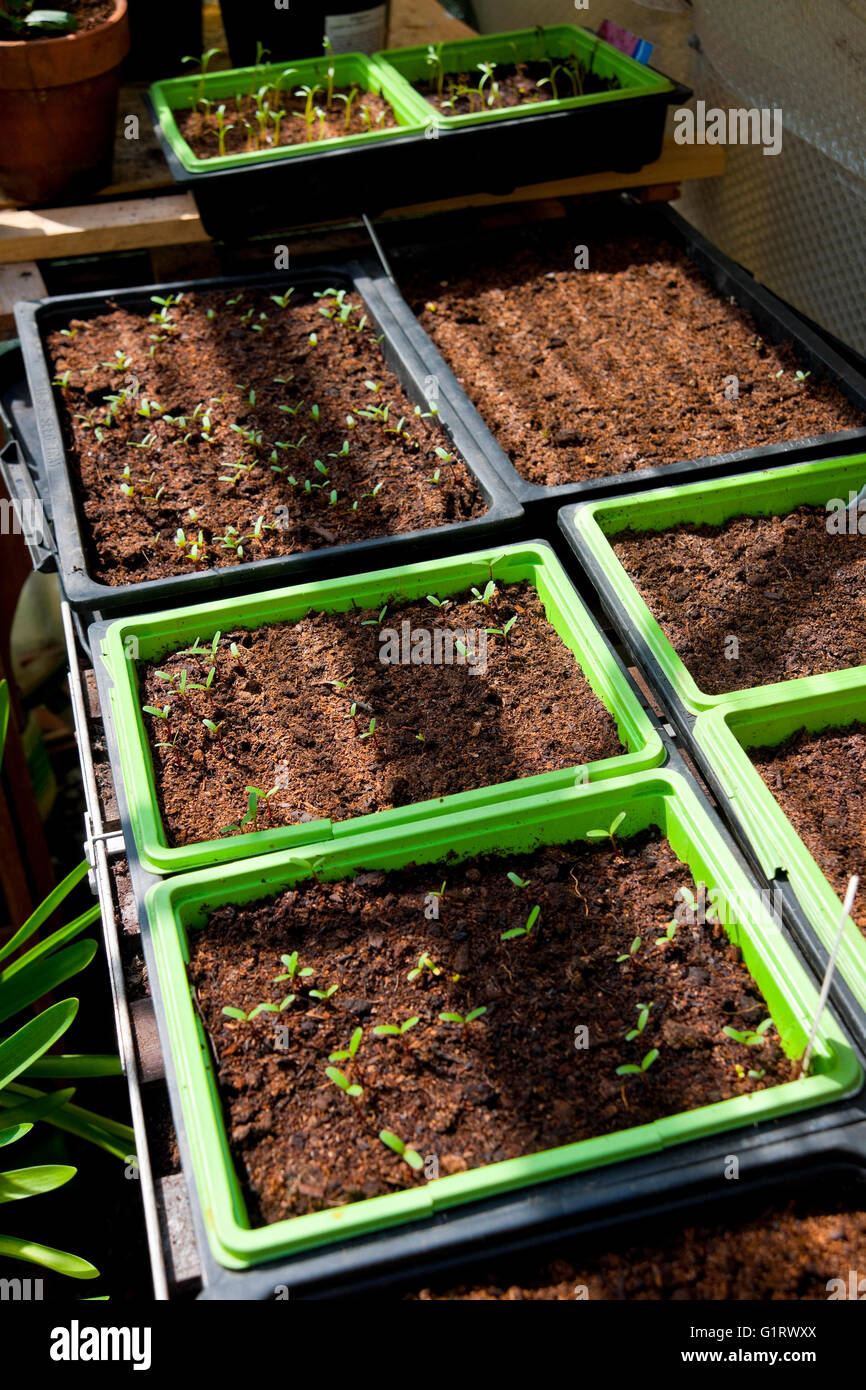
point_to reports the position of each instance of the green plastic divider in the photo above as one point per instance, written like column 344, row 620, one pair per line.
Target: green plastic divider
column 523, row 45
column 149, row 637
column 350, row 69
column 178, row 905
column 764, row 720
column 772, row 492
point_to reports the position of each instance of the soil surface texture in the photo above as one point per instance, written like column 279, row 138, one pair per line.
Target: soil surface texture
column 285, row 705
column 247, row 127
column 513, row 1080
column 758, row 600
column 786, row 1253
column 817, row 779
column 249, row 429
column 581, row 373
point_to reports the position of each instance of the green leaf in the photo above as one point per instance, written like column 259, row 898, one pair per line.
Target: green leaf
column 31, row 1110
column 393, row 1141
column 76, row 1064
column 58, row 1260
column 16, row 1132
column 49, row 905
column 4, row 715
column 21, row 1050
column 53, row 942
column 414, row 1160
column 17, row 1183
column 112, row 1135
column 43, row 976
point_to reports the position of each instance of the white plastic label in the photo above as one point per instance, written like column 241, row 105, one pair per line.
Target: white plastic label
column 361, row 32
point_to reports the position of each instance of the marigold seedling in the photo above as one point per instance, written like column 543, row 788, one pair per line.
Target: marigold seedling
column 424, row 963
column 642, row 1020
column 750, row 1037
column 608, row 834
column 670, row 933
column 464, row 1019
column 395, row 1143
column 291, row 964
column 629, row 1069
column 632, row 950
column 395, row 1030
column 348, row 1054
column 524, row 930
column 324, row 993
column 340, row 1079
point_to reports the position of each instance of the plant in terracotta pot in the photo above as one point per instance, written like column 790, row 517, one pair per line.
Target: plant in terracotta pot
column 59, row 80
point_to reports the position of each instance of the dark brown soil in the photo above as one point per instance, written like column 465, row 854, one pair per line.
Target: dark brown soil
column 243, row 373
column 622, row 366
column 285, row 722
column 785, row 1253
column 788, row 592
column 817, row 780
column 252, row 130
column 520, row 84
column 510, row 1083
column 87, row 13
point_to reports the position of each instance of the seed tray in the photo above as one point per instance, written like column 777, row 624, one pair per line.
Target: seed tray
column 46, row 449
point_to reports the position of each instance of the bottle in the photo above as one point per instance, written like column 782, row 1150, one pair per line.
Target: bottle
column 297, row 28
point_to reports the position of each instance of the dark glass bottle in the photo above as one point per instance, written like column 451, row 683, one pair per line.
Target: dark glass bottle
column 297, row 28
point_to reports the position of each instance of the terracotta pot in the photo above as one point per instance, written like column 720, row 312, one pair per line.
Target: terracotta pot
column 58, row 99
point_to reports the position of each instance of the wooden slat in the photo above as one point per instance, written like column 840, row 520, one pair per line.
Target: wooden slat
column 94, row 229
column 27, row 234
column 17, row 282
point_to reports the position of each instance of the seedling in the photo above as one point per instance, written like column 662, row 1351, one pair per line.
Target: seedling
column 751, row 1037
column 488, row 596
column 395, row 1030
column 340, row 1079
column 324, row 993
column 629, row 1069
column 214, row 729
column 670, row 933
column 369, row 732
column 632, row 951
column 347, row 1054
column 607, row 834
column 525, row 930
column 517, row 880
column 394, row 1142
column 375, row 622
column 503, row 632
column 292, row 971
column 164, row 713
column 231, row 1012
column 464, row 1019
column 204, row 63
column 642, row 1020
column 424, row 963
column 254, row 797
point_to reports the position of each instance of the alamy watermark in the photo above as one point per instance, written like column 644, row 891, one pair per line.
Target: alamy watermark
column 438, row 646
column 736, row 126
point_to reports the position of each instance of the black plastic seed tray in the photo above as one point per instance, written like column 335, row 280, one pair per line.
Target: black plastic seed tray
column 493, row 157
column 406, row 351
column 676, row 1183
column 433, row 242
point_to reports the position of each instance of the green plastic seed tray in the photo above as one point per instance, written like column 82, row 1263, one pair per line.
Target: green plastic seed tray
column 149, row 637
column 350, row 69
column 590, row 526
column 519, row 46
column 765, row 719
column 178, row 905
